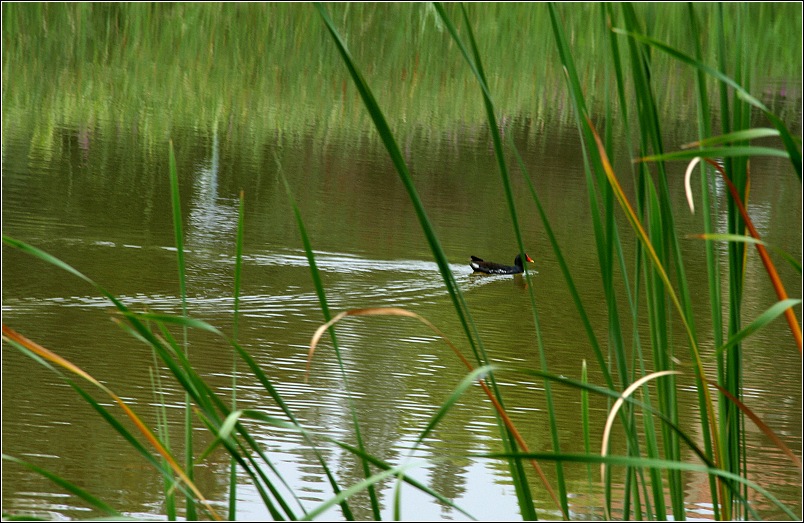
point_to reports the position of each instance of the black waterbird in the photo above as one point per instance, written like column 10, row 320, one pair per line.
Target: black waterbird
column 479, row 265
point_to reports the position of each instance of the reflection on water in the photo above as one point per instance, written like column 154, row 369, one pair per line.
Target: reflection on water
column 370, row 252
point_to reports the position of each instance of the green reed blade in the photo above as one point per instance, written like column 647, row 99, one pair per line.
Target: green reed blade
column 789, row 141
column 652, row 463
column 587, row 447
column 565, row 271
column 183, row 321
column 66, row 485
column 718, row 152
column 175, row 201
column 260, row 480
column 475, row 63
column 162, row 430
column 632, row 291
column 729, row 367
column 274, row 394
column 365, row 484
column 750, row 239
column 235, row 330
column 776, row 310
column 376, row 462
column 322, row 300
column 450, row 402
column 710, row 209
column 605, row 234
column 388, row 140
column 736, row 136
column 394, row 152
column 140, row 330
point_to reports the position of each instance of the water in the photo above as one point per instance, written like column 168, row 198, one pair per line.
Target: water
column 371, row 253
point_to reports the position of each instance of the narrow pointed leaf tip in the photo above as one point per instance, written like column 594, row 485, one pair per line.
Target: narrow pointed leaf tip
column 687, row 188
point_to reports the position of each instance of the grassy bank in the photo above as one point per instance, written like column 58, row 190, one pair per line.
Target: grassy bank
column 259, row 69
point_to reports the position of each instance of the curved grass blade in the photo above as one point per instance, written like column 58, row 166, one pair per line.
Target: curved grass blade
column 604, row 446
column 66, row 485
column 13, row 336
column 717, row 152
column 736, row 136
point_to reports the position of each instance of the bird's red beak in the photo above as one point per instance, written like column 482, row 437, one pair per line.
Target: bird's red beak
column 529, row 259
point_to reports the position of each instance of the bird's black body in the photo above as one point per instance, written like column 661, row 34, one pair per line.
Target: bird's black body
column 479, row 265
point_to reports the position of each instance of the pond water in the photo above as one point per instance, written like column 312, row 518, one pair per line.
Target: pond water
column 97, row 196
column 98, row 206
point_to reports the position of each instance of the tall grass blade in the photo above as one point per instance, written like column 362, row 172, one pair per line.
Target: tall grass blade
column 388, row 140
column 718, row 152
column 565, row 271
column 607, row 241
column 322, row 300
column 459, row 304
column 736, row 136
column 164, row 433
column 175, row 200
column 235, row 330
column 476, row 66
